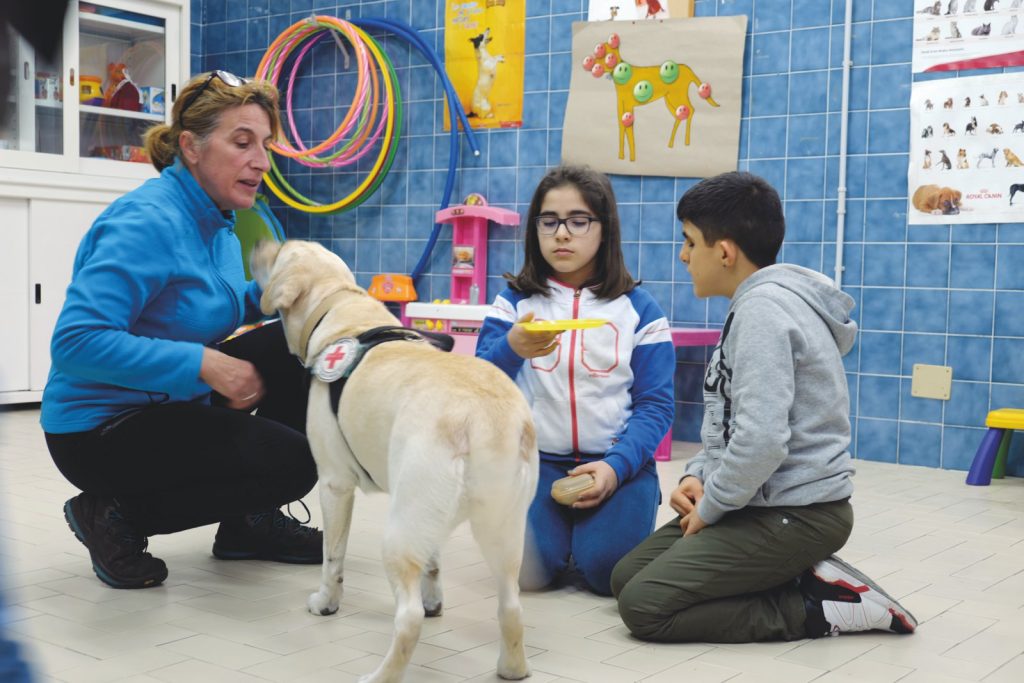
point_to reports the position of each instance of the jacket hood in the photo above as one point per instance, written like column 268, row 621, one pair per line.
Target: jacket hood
column 832, row 304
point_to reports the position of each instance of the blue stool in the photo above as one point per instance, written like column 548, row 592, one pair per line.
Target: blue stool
column 990, row 460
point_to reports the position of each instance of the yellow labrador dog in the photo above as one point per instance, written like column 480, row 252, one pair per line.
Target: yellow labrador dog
column 450, row 437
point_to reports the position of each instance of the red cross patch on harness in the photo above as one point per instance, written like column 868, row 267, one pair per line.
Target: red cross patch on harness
column 334, row 361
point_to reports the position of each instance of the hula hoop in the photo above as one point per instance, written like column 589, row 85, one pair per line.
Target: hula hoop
column 344, row 146
column 273, row 64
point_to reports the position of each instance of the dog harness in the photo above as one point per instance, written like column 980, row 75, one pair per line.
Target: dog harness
column 336, row 363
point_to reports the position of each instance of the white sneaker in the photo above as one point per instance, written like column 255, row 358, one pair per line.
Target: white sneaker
column 849, row 601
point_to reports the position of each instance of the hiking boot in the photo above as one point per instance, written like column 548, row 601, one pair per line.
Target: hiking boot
column 118, row 551
column 839, row 599
column 269, row 536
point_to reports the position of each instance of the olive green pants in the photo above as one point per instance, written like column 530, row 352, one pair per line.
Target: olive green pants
column 734, row 581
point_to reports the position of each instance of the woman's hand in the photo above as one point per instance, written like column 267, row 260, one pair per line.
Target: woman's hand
column 605, row 483
column 531, row 344
column 235, row 379
column 686, row 496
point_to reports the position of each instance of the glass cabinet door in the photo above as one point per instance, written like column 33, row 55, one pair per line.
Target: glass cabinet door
column 33, row 112
column 122, row 80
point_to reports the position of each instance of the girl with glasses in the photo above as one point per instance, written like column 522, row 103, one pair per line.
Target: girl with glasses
column 145, row 410
column 602, row 397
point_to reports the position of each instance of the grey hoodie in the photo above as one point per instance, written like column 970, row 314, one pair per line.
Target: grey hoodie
column 776, row 407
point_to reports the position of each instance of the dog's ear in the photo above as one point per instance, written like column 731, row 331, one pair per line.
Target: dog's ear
column 261, row 260
column 280, row 294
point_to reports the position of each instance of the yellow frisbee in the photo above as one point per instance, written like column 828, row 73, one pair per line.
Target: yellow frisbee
column 562, row 325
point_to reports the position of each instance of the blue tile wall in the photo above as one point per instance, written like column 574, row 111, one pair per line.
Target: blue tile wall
column 925, row 294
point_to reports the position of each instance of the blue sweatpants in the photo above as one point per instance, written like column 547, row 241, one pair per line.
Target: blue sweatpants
column 595, row 538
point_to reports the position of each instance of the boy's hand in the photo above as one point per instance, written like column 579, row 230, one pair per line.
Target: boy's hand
column 691, row 523
column 686, row 496
column 605, row 483
column 531, row 344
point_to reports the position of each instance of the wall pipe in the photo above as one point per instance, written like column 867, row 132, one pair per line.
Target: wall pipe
column 455, row 115
column 843, row 131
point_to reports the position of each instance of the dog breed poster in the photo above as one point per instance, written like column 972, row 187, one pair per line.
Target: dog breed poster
column 966, row 150
column 656, row 97
column 485, row 48
column 955, row 35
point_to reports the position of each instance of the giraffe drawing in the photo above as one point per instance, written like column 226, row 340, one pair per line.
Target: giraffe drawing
column 640, row 85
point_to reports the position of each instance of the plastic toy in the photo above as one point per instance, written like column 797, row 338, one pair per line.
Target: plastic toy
column 469, row 244
column 90, row 90
column 392, row 287
column 568, row 490
column 562, row 325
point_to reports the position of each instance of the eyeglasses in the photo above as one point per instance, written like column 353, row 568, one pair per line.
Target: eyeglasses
column 226, row 77
column 577, row 225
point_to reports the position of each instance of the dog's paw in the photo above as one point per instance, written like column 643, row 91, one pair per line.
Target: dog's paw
column 321, row 605
column 514, row 673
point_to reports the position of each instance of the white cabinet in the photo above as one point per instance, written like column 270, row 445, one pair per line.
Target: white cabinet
column 41, row 238
column 85, row 110
column 14, row 295
column 55, row 229
column 69, row 145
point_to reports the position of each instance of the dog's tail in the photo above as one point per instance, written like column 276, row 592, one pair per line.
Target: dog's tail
column 528, row 441
column 500, row 454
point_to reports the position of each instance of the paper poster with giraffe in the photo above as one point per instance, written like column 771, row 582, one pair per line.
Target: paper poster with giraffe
column 656, row 97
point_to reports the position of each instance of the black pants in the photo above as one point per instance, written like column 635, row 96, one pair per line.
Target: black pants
column 181, row 465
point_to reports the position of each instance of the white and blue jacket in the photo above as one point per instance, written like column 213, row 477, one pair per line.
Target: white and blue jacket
column 605, row 392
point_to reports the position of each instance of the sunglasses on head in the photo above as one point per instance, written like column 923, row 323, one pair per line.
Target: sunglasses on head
column 226, row 77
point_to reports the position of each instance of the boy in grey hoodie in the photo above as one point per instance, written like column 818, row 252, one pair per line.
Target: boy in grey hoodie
column 765, row 503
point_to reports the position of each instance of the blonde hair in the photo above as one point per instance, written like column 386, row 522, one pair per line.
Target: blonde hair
column 203, row 114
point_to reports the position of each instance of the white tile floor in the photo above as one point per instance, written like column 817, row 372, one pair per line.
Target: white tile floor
column 953, row 554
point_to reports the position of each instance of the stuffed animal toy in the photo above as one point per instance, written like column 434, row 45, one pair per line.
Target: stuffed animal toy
column 121, row 92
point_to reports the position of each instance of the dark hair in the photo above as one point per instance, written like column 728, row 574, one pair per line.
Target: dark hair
column 161, row 140
column 611, row 278
column 737, row 206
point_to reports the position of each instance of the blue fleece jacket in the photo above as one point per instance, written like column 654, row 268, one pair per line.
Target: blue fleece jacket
column 157, row 277
column 605, row 393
